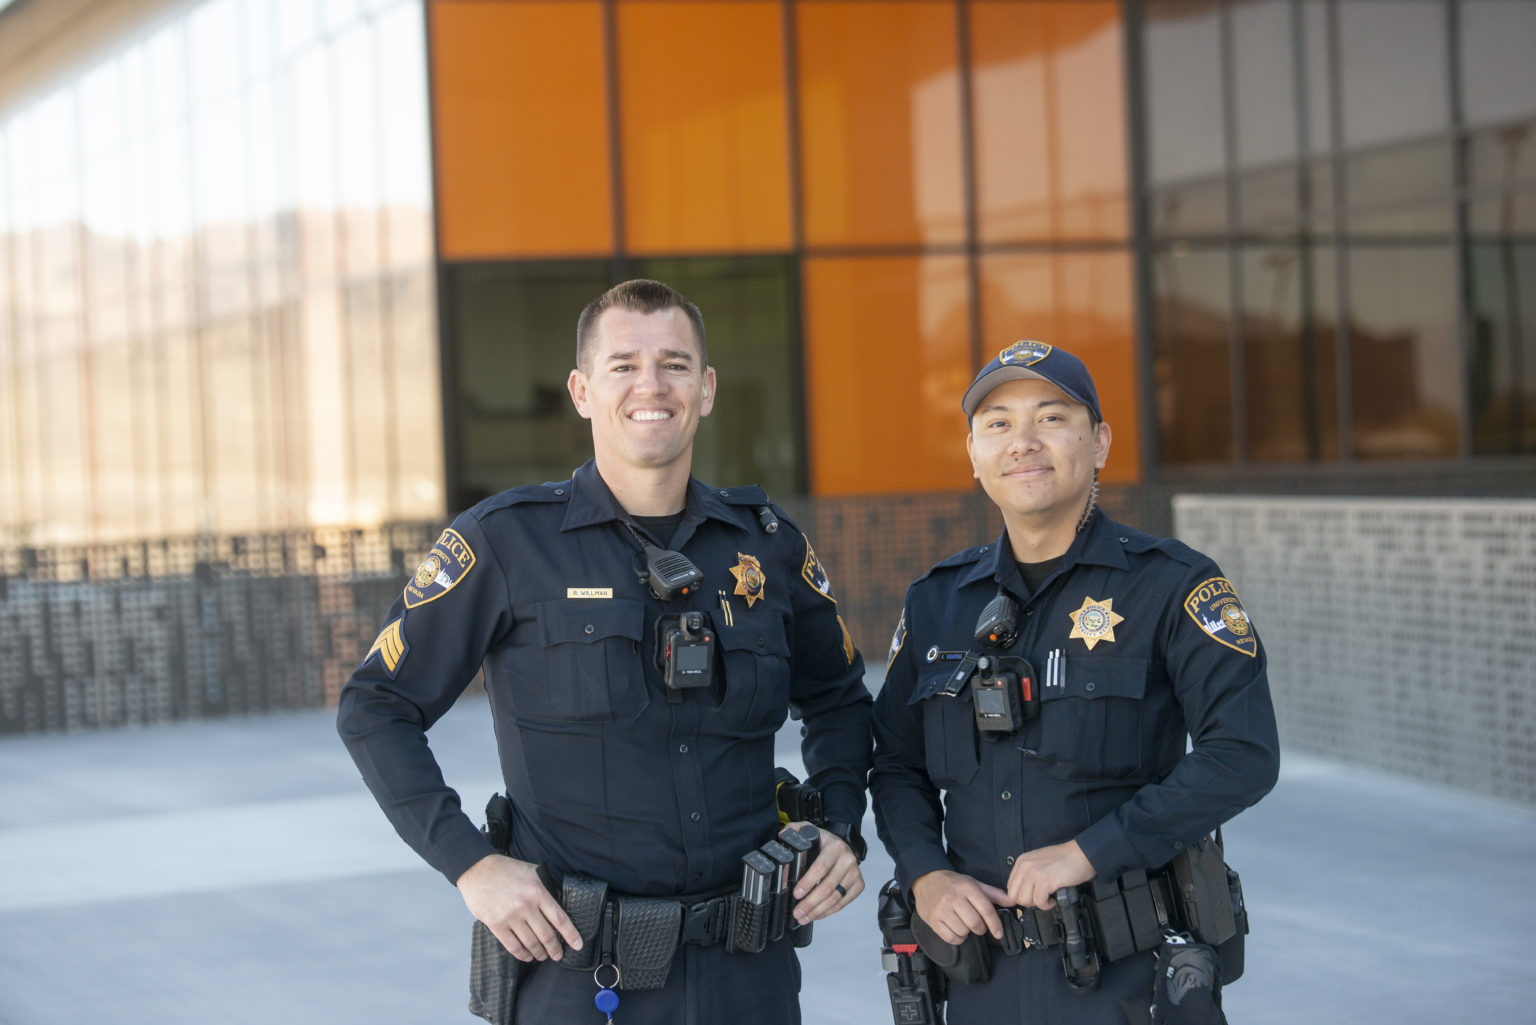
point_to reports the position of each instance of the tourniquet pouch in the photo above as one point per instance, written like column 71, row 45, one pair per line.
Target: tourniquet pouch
column 494, row 975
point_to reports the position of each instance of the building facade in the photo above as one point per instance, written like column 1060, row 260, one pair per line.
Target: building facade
column 282, row 284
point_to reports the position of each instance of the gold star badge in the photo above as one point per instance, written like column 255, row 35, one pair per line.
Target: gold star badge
column 749, row 578
column 1095, row 621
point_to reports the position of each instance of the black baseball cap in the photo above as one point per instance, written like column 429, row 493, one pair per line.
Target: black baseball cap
column 1029, row 358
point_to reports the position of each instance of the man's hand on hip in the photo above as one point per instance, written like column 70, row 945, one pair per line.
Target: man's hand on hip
column 508, row 896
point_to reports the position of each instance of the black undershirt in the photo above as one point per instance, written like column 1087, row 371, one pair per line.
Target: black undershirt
column 661, row 527
column 1035, row 573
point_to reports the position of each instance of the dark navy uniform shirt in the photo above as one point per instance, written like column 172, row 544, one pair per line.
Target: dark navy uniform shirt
column 1155, row 646
column 607, row 776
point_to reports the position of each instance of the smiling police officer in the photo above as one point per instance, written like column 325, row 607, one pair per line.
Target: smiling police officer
column 1046, row 683
column 643, row 637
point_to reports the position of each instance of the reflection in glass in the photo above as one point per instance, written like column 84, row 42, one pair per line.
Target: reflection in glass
column 705, row 127
column 1401, row 190
column 1192, row 365
column 511, row 333
column 1046, row 79
column 1498, row 74
column 179, row 361
column 880, row 157
column 1504, row 347
column 1393, row 74
column 901, row 429
column 1405, row 368
column 1185, row 138
column 1263, row 96
column 1283, row 408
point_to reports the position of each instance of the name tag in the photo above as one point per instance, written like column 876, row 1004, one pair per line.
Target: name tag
column 589, row 592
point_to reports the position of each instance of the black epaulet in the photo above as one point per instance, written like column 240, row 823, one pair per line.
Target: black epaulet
column 769, row 516
column 1139, row 543
column 549, row 491
column 968, row 557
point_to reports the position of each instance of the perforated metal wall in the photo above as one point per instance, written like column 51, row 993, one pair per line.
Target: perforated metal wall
column 1401, row 632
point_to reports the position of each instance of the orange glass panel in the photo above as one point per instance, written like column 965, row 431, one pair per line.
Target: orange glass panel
column 521, row 130
column 879, row 123
column 1081, row 302
column 886, row 361
column 705, row 137
column 1048, row 119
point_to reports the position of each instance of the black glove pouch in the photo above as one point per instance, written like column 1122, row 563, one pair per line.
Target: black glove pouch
column 1187, row 990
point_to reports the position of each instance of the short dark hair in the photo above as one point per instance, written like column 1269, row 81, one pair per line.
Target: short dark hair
column 640, row 295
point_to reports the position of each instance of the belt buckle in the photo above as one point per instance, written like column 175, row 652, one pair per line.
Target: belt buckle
column 705, row 923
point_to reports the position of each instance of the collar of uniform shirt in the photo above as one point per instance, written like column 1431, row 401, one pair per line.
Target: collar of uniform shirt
column 1098, row 545
column 592, row 502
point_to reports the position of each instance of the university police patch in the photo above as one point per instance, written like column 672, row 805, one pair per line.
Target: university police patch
column 449, row 561
column 391, row 647
column 1024, row 353
column 1215, row 607
column 815, row 573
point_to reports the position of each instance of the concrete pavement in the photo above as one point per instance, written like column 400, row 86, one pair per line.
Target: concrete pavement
column 237, row 871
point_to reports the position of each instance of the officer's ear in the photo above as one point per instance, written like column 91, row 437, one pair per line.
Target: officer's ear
column 577, row 385
column 709, row 392
column 1101, row 439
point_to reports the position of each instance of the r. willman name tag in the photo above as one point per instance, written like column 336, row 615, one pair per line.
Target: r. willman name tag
column 589, row 592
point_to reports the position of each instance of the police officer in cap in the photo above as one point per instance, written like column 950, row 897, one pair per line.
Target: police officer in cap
column 616, row 768
column 1130, row 644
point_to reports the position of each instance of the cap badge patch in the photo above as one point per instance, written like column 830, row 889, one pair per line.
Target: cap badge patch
column 1215, row 607
column 1025, row 353
column 749, row 578
column 449, row 561
column 1095, row 621
column 815, row 573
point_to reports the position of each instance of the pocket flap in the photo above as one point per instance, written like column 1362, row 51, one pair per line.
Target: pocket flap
column 586, row 621
column 761, row 639
column 1100, row 677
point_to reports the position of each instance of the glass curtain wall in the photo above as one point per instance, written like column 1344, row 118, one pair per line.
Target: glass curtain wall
column 217, row 308
column 868, row 198
column 1340, row 199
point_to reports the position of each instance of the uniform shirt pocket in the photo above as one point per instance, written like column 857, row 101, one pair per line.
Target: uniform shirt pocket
column 949, row 729
column 1091, row 725
column 755, row 660
column 590, row 667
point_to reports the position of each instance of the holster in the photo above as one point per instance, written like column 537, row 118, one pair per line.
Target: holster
column 494, row 976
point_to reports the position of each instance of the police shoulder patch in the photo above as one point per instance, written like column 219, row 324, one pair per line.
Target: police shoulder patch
column 897, row 640
column 391, row 647
column 815, row 573
column 1215, row 608
column 449, row 561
